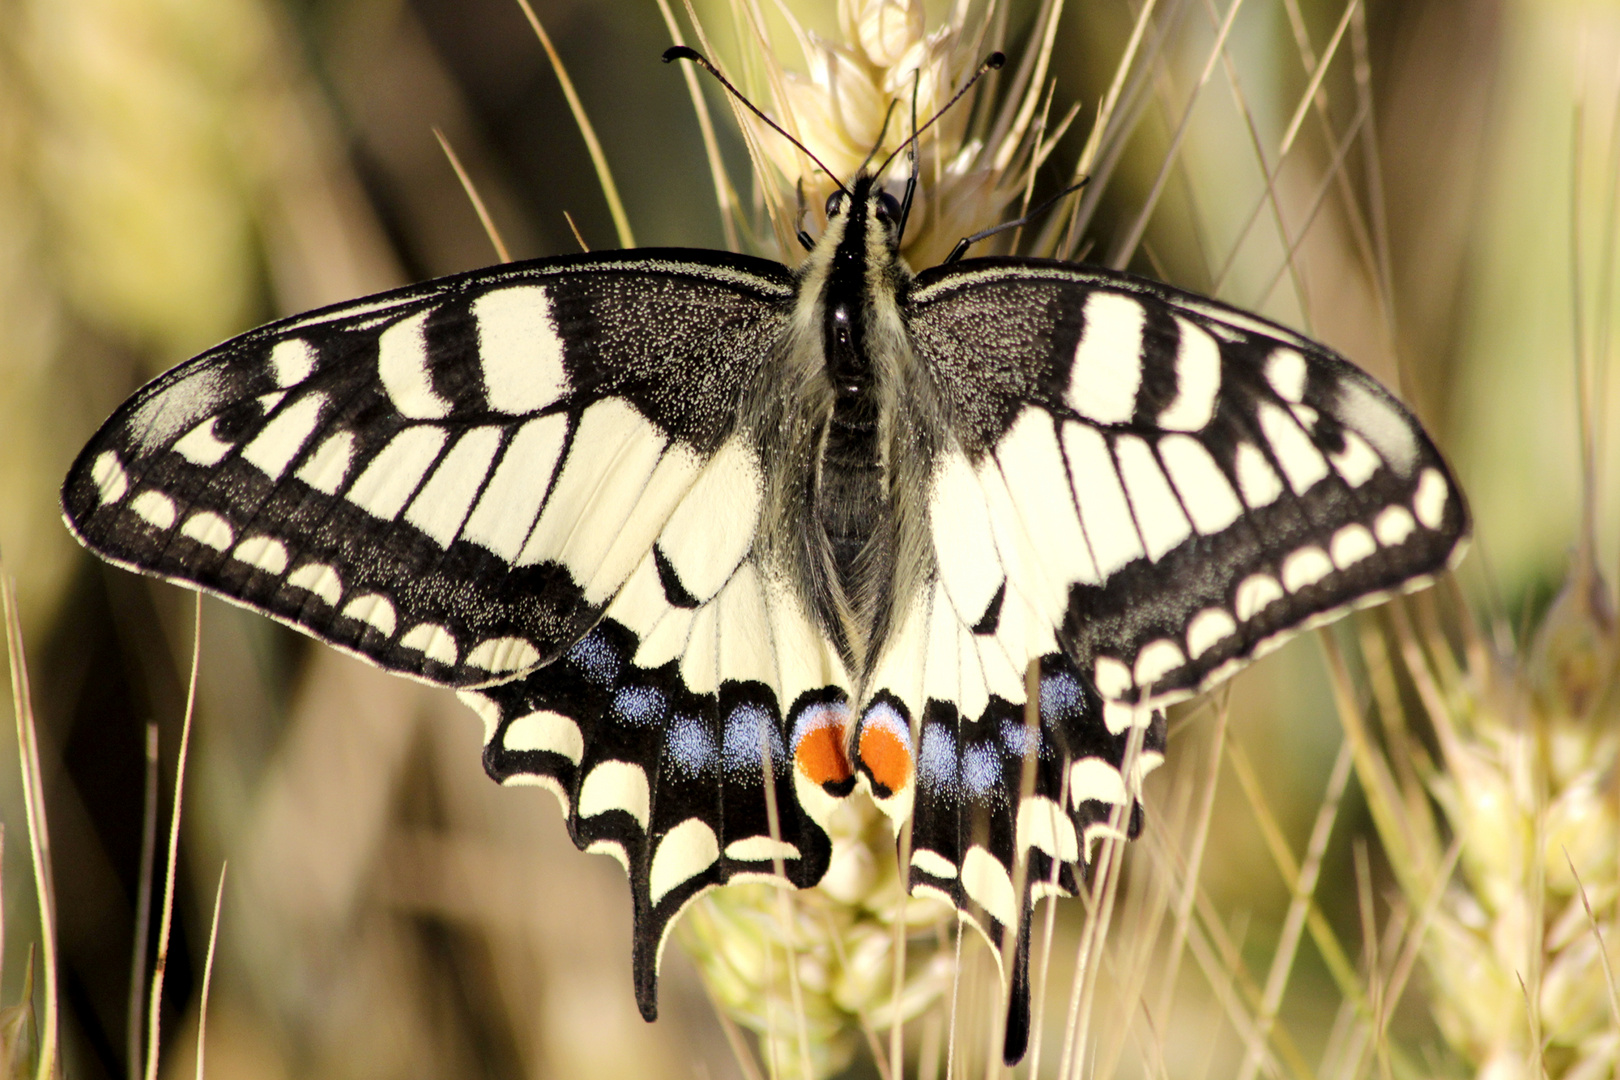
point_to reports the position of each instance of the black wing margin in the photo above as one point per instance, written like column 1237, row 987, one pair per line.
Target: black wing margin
column 452, row 479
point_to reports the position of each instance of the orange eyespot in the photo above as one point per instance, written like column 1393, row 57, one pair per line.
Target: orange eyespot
column 819, row 748
column 886, row 757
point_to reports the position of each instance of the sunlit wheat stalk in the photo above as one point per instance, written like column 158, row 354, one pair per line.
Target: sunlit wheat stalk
column 47, row 1066
column 143, row 901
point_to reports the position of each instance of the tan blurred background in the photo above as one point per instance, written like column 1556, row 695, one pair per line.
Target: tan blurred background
column 175, row 171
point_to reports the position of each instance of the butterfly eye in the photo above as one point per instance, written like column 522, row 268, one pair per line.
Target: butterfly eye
column 835, row 204
column 888, row 207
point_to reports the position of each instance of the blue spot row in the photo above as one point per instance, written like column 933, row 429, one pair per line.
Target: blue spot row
column 689, row 746
column 639, row 705
column 1063, row 699
column 748, row 730
column 597, row 660
column 976, row 767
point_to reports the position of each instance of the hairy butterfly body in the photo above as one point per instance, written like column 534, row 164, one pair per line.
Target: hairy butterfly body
column 708, row 543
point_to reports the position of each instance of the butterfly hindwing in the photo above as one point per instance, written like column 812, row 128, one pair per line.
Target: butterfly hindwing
column 1182, row 484
column 695, row 740
column 452, row 479
column 998, row 808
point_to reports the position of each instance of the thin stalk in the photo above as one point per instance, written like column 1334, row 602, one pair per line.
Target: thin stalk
column 1303, row 888
column 1105, row 113
column 1099, row 915
column 1268, row 169
column 1603, row 948
column 956, row 991
column 604, row 175
column 39, row 840
column 1138, row 97
column 3, row 893
column 1195, row 861
column 1317, row 200
column 896, row 1029
column 724, row 195
column 1122, row 254
column 578, row 239
column 1357, row 221
column 784, row 905
column 1220, row 960
column 1377, row 208
column 1584, row 403
column 208, row 971
column 1047, row 930
column 1339, row 965
column 1366, row 907
column 874, row 1046
column 143, row 904
column 154, row 1005
column 1272, row 171
column 1407, row 962
column 473, row 197
column 734, row 1037
column 1606, row 274
column 1026, row 111
column 1309, row 97
column 764, row 193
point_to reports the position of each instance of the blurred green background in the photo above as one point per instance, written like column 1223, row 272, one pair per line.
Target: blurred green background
column 175, row 171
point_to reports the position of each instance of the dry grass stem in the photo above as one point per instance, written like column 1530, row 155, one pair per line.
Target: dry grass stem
column 473, row 197
column 1126, row 248
column 208, row 971
column 593, row 146
column 143, row 901
column 573, row 228
column 39, row 842
column 160, row 965
column 725, row 196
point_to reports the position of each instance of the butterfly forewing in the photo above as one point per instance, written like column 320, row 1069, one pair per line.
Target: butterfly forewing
column 1177, row 484
column 451, row 480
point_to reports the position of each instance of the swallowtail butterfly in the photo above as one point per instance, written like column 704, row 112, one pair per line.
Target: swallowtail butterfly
column 708, row 543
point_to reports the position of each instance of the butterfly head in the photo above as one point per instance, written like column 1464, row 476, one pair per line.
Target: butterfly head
column 868, row 211
column 871, row 198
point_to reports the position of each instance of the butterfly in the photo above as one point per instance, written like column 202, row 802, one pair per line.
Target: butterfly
column 709, row 543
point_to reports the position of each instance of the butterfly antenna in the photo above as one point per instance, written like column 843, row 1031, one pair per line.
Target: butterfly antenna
column 882, row 134
column 967, row 241
column 911, row 179
column 685, row 52
column 798, row 218
column 991, row 63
